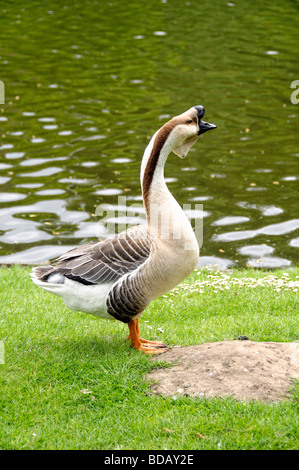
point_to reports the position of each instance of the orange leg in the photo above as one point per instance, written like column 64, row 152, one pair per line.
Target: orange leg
column 148, row 347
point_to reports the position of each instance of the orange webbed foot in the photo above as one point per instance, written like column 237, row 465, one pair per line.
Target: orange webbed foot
column 144, row 345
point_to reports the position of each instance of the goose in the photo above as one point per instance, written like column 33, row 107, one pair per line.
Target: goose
column 118, row 277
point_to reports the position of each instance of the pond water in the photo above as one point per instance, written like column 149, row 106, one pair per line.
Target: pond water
column 86, row 86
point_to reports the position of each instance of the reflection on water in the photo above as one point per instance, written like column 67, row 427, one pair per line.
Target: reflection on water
column 88, row 85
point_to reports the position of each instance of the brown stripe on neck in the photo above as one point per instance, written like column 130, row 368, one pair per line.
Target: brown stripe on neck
column 151, row 165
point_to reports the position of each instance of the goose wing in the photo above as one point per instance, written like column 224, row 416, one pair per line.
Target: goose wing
column 107, row 260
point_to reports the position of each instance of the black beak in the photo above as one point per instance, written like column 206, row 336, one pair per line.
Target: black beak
column 203, row 126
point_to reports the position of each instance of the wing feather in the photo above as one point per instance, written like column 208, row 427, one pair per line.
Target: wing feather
column 107, row 260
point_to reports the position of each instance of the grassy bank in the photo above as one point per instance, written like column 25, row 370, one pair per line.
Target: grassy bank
column 70, row 381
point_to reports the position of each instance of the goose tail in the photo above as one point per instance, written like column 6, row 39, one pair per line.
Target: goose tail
column 47, row 278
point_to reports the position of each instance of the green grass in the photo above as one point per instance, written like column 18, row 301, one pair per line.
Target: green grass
column 70, row 381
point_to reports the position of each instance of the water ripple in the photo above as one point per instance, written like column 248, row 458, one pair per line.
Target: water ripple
column 73, row 137
column 274, row 229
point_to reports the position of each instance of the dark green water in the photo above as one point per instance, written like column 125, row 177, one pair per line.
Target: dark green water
column 88, row 83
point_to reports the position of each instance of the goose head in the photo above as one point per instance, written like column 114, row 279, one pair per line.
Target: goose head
column 177, row 135
column 187, row 127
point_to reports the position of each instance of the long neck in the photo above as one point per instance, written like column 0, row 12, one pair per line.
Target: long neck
column 152, row 170
column 165, row 217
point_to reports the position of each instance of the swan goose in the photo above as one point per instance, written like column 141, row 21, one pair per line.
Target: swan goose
column 118, row 277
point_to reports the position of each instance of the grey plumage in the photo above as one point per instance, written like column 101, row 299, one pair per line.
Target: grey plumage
column 103, row 261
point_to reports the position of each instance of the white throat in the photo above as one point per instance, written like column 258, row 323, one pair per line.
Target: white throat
column 165, row 217
column 158, row 184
